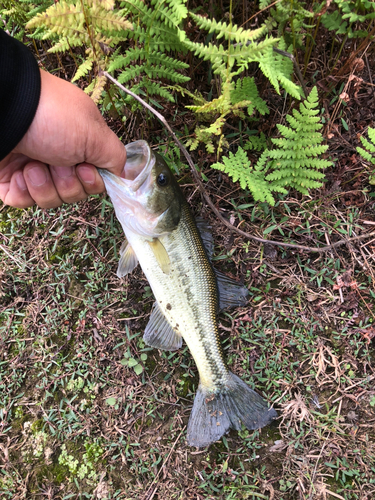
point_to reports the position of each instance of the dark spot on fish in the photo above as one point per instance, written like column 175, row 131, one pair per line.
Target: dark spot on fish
column 169, row 307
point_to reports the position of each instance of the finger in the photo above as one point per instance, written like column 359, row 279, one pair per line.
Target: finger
column 40, row 185
column 67, row 184
column 90, row 178
column 15, row 193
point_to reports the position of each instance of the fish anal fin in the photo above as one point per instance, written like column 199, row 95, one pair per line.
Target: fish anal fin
column 231, row 292
column 128, row 260
column 213, row 414
column 159, row 332
column 161, row 255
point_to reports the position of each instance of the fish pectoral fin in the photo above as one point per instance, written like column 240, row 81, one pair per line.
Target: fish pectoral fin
column 159, row 332
column 161, row 255
column 231, row 293
column 128, row 260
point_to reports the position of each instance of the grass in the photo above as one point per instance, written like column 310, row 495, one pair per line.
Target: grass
column 78, row 420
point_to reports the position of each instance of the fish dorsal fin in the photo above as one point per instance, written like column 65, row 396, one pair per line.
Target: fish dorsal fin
column 159, row 332
column 205, row 231
column 128, row 260
column 231, row 293
column 161, row 255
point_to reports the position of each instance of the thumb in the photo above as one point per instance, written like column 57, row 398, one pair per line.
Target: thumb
column 103, row 148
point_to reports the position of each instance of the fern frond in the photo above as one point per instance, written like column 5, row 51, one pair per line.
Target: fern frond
column 163, row 72
column 239, row 168
column 140, row 54
column 96, row 88
column 366, row 153
column 154, row 88
column 274, row 66
column 109, row 20
column 214, row 106
column 169, row 15
column 131, row 73
column 106, row 4
column 61, row 18
column 246, row 89
column 83, row 69
column 229, row 32
column 64, row 44
column 256, row 143
column 295, row 161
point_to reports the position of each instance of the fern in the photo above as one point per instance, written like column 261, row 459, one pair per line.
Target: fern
column 246, row 90
column 256, row 143
column 228, row 63
column 156, row 32
column 293, row 163
column 290, row 17
column 238, row 167
column 229, row 32
column 87, row 23
column 98, row 27
column 366, row 153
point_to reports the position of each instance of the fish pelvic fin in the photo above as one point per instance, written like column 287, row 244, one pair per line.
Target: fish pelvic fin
column 159, row 332
column 161, row 255
column 231, row 293
column 128, row 260
column 214, row 413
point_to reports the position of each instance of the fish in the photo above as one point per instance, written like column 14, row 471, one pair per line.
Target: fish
column 174, row 252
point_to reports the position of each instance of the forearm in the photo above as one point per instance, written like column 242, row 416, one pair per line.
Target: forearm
column 19, row 92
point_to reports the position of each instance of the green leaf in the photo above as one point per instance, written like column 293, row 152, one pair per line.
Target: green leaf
column 138, row 369
column 270, row 229
column 111, row 401
column 132, row 362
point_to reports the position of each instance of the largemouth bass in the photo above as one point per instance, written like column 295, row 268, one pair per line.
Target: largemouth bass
column 163, row 237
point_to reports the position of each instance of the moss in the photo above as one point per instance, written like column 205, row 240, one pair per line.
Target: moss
column 55, row 473
column 37, row 426
column 184, row 387
column 59, row 252
column 18, row 422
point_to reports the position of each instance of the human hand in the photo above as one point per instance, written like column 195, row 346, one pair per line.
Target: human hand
column 54, row 162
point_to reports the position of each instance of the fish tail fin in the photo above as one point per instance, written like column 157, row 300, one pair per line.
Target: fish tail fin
column 214, row 413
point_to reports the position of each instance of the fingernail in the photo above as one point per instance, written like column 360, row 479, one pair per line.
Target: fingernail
column 37, row 176
column 63, row 172
column 86, row 174
column 21, row 181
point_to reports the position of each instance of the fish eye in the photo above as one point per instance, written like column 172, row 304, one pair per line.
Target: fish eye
column 162, row 180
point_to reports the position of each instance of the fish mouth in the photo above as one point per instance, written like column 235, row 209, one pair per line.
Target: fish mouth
column 138, row 163
column 136, row 170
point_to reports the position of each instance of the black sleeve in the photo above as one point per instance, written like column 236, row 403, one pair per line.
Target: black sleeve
column 19, row 91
